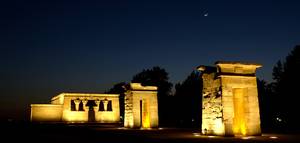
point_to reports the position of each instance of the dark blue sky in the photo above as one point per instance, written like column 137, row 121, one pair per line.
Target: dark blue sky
column 48, row 47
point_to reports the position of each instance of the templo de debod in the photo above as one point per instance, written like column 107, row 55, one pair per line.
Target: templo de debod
column 230, row 99
column 78, row 107
column 230, row 104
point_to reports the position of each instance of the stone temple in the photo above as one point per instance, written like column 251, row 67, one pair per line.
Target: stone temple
column 230, row 99
column 78, row 108
column 229, row 103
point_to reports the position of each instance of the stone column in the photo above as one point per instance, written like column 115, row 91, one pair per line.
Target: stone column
column 84, row 105
column 96, row 108
column 77, row 102
column 105, row 103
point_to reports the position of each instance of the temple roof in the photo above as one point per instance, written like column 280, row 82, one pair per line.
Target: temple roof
column 231, row 68
column 238, row 63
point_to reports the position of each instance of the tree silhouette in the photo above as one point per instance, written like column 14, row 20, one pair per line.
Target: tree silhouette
column 285, row 90
column 266, row 101
column 188, row 97
column 158, row 77
column 155, row 77
column 277, row 71
column 118, row 89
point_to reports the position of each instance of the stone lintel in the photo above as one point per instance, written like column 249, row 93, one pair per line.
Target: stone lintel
column 62, row 95
column 237, row 63
column 237, row 68
column 237, row 75
column 139, row 87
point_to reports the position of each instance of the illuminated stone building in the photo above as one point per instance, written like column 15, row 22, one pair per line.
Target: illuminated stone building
column 230, row 99
column 141, row 106
column 78, row 107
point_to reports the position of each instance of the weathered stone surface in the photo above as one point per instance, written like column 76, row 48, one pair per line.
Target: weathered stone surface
column 230, row 102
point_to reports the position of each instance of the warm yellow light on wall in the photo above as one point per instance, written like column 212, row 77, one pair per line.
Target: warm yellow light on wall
column 146, row 116
column 218, row 127
column 75, row 116
column 45, row 112
column 61, row 109
column 239, row 123
column 141, row 106
column 230, row 99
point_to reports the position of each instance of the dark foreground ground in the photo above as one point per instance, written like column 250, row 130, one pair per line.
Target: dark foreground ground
column 93, row 133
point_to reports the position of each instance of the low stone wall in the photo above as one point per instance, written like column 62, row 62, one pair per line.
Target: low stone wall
column 45, row 112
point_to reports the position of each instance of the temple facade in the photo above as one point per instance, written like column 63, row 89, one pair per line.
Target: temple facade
column 141, row 108
column 230, row 99
column 78, row 107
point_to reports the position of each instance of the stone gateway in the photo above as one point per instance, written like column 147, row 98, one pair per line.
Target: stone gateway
column 141, row 109
column 230, row 99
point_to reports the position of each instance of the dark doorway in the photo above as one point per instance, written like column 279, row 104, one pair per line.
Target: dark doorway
column 73, row 108
column 101, row 106
column 91, row 112
column 80, row 106
column 141, row 113
column 109, row 106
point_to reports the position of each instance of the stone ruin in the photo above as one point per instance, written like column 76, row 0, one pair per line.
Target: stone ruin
column 229, row 103
column 230, row 99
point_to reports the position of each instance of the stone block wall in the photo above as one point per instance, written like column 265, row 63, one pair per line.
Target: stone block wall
column 230, row 99
column 45, row 113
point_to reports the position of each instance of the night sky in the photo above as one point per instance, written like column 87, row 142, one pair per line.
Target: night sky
column 48, row 46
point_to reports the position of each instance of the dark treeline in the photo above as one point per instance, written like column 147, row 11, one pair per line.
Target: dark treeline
column 278, row 99
column 188, row 98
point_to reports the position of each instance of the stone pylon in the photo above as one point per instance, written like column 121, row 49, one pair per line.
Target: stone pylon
column 230, row 99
